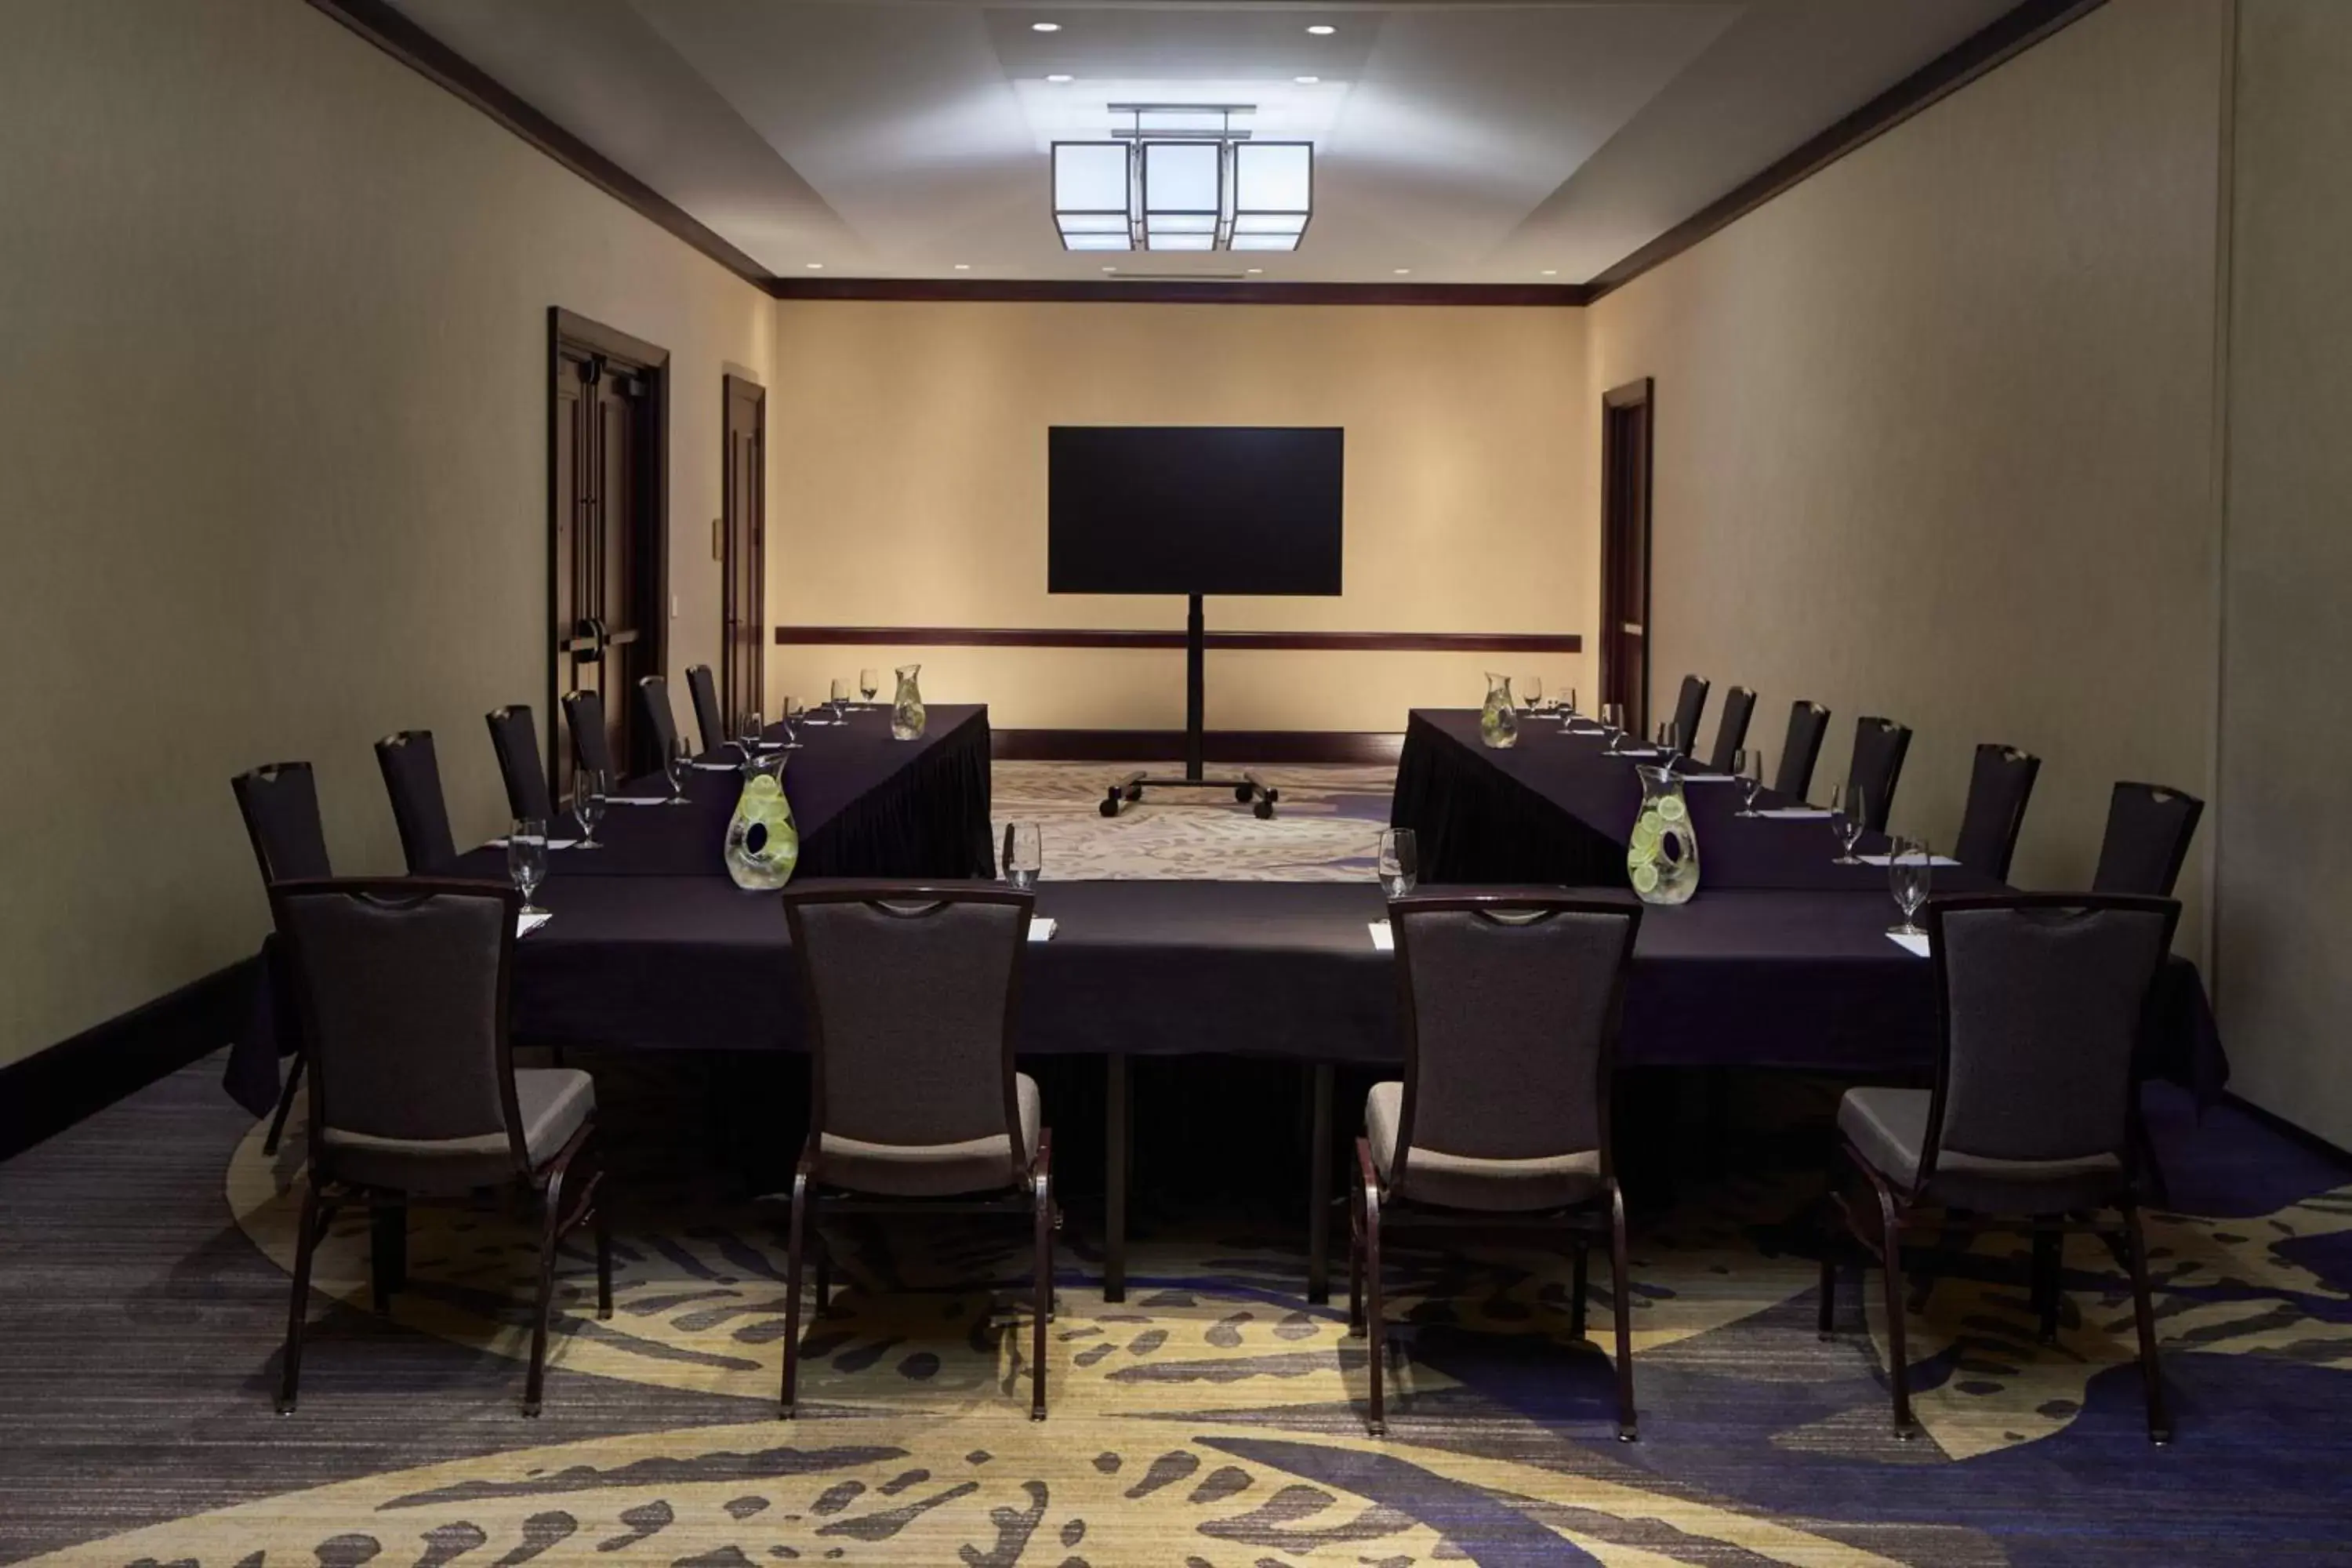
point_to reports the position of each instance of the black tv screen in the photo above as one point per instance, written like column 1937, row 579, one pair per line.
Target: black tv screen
column 1192, row 509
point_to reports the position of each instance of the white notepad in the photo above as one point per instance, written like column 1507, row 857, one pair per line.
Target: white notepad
column 551, row 844
column 634, row 800
column 1884, row 859
column 526, row 924
column 1042, row 928
column 1796, row 813
column 1914, row 944
column 1709, row 778
column 1383, row 939
column 714, row 767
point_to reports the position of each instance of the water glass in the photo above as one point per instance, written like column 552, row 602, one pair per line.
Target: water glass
column 588, row 791
column 1399, row 861
column 527, row 860
column 1565, row 702
column 1612, row 719
column 1847, row 814
column 1024, row 855
column 748, row 726
column 867, row 684
column 1749, row 766
column 675, row 761
column 1531, row 692
column 1909, row 864
column 840, row 700
column 789, row 716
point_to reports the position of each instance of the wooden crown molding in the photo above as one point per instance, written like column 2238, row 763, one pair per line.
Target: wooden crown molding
column 1174, row 291
column 1121, row 637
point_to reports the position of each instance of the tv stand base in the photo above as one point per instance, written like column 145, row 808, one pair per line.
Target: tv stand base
column 1249, row 789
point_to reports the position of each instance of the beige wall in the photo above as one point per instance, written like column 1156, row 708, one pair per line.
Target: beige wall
column 2284, row 964
column 1937, row 432
column 910, row 490
column 273, row 429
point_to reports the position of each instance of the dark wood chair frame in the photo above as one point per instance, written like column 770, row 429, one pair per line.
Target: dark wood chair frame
column 1894, row 1214
column 1028, row 1186
column 281, row 995
column 1375, row 1211
column 565, row 1175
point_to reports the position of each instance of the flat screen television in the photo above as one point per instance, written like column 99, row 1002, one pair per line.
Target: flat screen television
column 1192, row 509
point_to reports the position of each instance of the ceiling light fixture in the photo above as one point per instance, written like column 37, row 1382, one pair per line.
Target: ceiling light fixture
column 1551, row 271
column 1322, row 29
column 816, row 266
column 1404, row 271
column 1182, row 177
column 964, row 267
column 1307, row 80
column 1044, row 27
column 1252, row 271
column 1057, row 76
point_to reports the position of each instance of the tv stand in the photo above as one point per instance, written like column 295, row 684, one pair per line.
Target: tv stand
column 1248, row 788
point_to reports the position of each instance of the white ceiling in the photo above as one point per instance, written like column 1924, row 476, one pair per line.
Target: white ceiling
column 1456, row 140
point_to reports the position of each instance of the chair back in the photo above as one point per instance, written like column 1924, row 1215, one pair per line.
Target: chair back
column 1688, row 706
column 280, row 803
column 2042, row 997
column 2000, row 783
column 1731, row 733
column 411, row 777
column 583, row 715
column 1879, row 745
column 911, row 991
column 653, row 698
column 1511, row 1004
column 515, row 738
column 1808, row 723
column 707, row 716
column 403, row 989
column 2146, row 841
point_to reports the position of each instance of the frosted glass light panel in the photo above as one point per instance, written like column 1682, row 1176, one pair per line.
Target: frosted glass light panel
column 1092, row 197
column 1274, row 193
column 1183, row 194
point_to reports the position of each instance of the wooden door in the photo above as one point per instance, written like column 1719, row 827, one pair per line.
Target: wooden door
column 1625, row 628
column 744, row 551
column 608, row 587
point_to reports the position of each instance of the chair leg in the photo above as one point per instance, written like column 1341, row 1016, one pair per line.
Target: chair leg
column 1620, row 1286
column 2047, row 1258
column 824, row 1305
column 2159, row 1421
column 387, row 1249
column 285, row 1106
column 1898, row 1362
column 1042, row 1191
column 1355, row 1255
column 602, row 1219
column 793, row 1290
column 534, row 1387
column 1580, row 1279
column 289, row 1373
column 1375, row 1326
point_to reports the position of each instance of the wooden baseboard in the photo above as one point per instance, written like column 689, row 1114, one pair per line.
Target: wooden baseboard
column 2288, row 1130
column 1220, row 745
column 52, row 1089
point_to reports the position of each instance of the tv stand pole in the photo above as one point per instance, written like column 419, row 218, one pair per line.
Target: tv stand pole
column 1248, row 788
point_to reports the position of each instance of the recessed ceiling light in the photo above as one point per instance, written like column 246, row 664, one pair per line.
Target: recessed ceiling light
column 1404, row 271
column 964, row 267
column 1057, row 76
column 1551, row 271
column 1307, row 80
column 816, row 266
column 1252, row 271
column 1044, row 27
column 1110, row 269
column 1322, row 29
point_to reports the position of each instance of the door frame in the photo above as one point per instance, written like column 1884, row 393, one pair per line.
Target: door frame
column 731, row 385
column 1617, row 406
column 651, row 362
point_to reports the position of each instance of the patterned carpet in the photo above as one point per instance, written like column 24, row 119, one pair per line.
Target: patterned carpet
column 1324, row 828
column 1213, row 1418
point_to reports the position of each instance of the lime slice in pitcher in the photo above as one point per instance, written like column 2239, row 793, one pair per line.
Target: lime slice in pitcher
column 1645, row 878
column 1671, row 808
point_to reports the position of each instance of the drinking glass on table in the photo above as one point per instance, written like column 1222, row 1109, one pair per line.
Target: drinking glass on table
column 1566, row 703
column 588, row 787
column 1024, row 855
column 840, row 700
column 1612, row 719
column 676, row 764
column 1749, row 766
column 868, row 684
column 527, row 860
column 1909, row 864
column 790, row 715
column 1398, row 862
column 1847, row 814
column 1531, row 692
column 747, row 728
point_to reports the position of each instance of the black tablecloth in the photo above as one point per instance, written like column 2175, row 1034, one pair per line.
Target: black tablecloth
column 1779, row 960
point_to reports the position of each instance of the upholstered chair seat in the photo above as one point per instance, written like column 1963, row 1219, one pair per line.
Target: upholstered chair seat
column 1472, row 1181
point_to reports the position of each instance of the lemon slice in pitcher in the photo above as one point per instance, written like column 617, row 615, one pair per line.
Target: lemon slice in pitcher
column 1645, row 877
column 1670, row 808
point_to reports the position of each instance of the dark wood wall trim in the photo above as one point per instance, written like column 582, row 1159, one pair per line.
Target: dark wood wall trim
column 1175, row 291
column 1080, row 636
column 2006, row 35
column 381, row 24
column 52, row 1089
column 1220, row 745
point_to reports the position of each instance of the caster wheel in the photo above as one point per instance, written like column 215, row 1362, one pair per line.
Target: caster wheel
column 1135, row 791
column 1263, row 809
column 1110, row 807
column 1242, row 793
column 1272, row 795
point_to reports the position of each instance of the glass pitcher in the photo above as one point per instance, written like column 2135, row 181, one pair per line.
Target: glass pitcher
column 1498, row 721
column 1662, row 859
column 763, row 844
column 906, row 714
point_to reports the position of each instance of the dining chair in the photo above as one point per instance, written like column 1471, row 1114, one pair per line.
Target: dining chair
column 916, row 1104
column 1731, row 733
column 583, row 715
column 707, row 718
column 1689, row 705
column 1808, row 723
column 2000, row 783
column 1875, row 767
column 414, row 1096
column 653, row 698
column 1511, row 1004
column 2030, row 1125
column 411, row 777
column 2146, row 842
column 514, row 736
column 280, row 803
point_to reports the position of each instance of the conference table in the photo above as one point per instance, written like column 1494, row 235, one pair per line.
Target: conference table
column 1781, row 960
